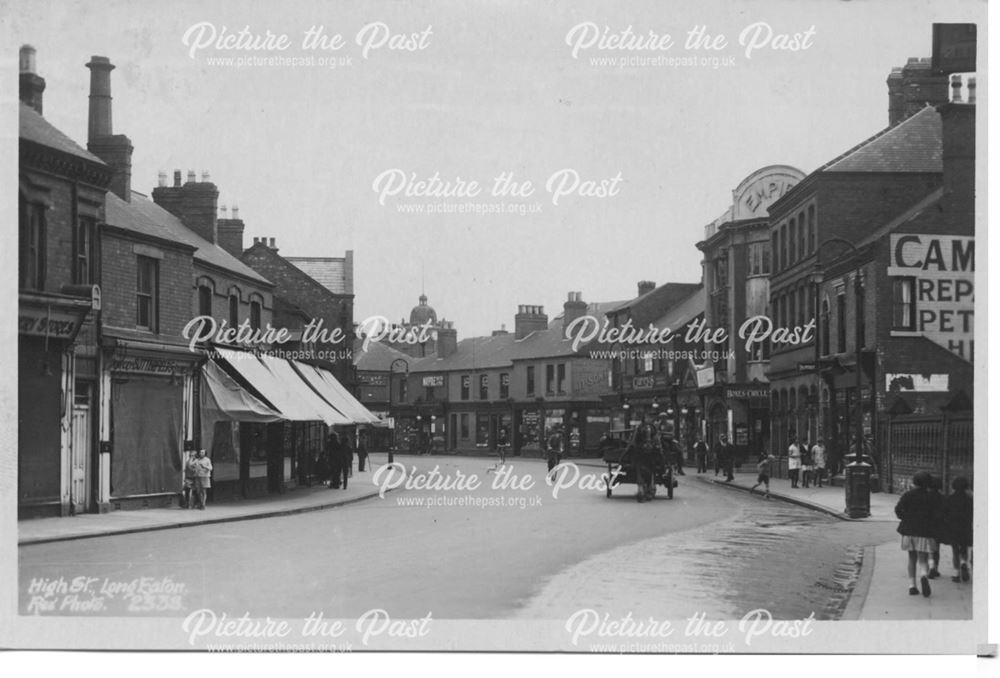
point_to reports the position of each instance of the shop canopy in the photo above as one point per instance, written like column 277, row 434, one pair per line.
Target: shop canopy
column 232, row 401
column 334, row 392
column 278, row 383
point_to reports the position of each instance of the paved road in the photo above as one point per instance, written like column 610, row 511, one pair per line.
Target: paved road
column 538, row 556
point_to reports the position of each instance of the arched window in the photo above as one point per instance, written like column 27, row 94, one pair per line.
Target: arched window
column 234, row 306
column 206, row 290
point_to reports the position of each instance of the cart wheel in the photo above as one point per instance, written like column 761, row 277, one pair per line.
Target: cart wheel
column 670, row 485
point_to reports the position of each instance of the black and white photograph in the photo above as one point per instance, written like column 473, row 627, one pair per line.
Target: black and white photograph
column 643, row 328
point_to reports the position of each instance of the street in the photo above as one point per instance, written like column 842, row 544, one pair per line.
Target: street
column 526, row 555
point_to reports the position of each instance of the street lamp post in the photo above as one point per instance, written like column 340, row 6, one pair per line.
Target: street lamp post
column 857, row 474
column 395, row 431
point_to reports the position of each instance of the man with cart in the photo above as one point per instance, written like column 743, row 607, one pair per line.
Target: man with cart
column 647, row 453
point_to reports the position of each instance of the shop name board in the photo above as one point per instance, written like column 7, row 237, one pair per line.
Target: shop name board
column 433, row 381
column 372, row 379
column 639, row 383
column 48, row 324
column 938, row 274
column 748, row 393
column 148, row 365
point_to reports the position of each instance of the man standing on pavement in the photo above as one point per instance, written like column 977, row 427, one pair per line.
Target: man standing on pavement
column 334, row 455
column 819, row 461
column 701, row 455
column 346, row 459
column 724, row 456
column 794, row 461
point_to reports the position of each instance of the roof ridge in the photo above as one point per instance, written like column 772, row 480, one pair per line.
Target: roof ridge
column 873, row 138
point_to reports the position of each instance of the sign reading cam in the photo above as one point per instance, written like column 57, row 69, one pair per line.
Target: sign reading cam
column 934, row 288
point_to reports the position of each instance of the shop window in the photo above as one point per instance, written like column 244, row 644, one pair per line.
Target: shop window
column 504, row 386
column 466, row 386
column 482, row 429
column 530, row 385
column 32, row 246
column 904, row 316
column 465, row 426
column 402, row 390
column 147, row 292
column 484, row 386
column 561, row 377
column 550, row 379
column 83, row 251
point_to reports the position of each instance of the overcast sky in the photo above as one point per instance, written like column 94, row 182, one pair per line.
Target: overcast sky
column 492, row 87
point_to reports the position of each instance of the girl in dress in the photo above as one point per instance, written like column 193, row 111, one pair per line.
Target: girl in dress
column 918, row 513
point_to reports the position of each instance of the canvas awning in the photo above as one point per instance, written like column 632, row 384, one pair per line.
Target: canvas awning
column 334, row 392
column 232, row 401
column 283, row 388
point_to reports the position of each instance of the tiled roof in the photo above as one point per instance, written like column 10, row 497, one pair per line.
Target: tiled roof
column 144, row 216
column 34, row 127
column 913, row 145
column 647, row 307
column 378, row 357
column 329, row 272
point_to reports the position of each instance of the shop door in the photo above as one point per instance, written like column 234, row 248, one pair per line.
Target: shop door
column 80, row 453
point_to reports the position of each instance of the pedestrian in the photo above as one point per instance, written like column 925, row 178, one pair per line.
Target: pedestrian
column 362, row 454
column 808, row 469
column 701, row 455
column 957, row 521
column 819, row 461
column 201, row 467
column 189, row 475
column 724, row 456
column 334, row 455
column 917, row 511
column 669, row 447
column 794, row 462
column 554, row 448
column 647, row 453
column 937, row 486
column 346, row 459
column 763, row 477
column 503, row 442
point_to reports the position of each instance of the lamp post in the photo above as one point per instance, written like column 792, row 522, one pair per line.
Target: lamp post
column 395, row 431
column 857, row 474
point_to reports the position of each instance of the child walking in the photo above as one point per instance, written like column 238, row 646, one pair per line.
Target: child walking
column 918, row 513
column 763, row 466
column 958, row 527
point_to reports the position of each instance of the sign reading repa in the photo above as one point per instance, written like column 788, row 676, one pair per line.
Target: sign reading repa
column 936, row 274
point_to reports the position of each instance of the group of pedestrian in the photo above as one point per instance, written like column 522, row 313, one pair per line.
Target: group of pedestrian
column 340, row 459
column 725, row 456
column 807, row 463
column 929, row 519
column 197, row 480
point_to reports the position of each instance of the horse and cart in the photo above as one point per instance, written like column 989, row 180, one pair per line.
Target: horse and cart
column 639, row 461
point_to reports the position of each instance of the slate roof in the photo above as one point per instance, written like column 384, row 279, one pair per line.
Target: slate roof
column 913, row 145
column 329, row 272
column 33, row 127
column 684, row 312
column 145, row 217
column 378, row 357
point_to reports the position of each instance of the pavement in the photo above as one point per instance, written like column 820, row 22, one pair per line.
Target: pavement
column 882, row 590
column 297, row 500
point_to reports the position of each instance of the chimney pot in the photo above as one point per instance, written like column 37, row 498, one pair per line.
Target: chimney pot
column 161, row 178
column 27, row 59
column 271, row 244
column 205, row 176
column 236, row 211
column 224, row 211
column 191, row 176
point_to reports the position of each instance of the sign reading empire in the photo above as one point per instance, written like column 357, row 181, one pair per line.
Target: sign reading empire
column 943, row 271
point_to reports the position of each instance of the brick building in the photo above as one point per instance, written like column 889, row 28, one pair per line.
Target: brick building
column 823, row 216
column 60, row 212
column 736, row 270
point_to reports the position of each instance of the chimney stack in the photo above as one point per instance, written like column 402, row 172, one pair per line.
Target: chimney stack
column 529, row 319
column 195, row 203
column 574, row 308
column 32, row 85
column 447, row 339
column 912, row 87
column 230, row 232
column 114, row 149
column 958, row 159
column 646, row 286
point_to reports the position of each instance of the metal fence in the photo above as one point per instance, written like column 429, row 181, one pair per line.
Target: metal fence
column 942, row 445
